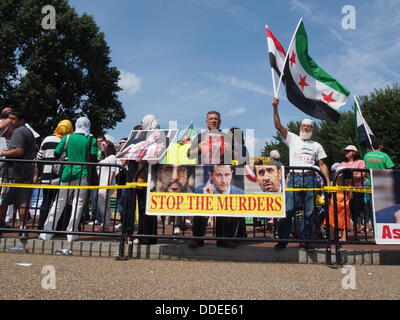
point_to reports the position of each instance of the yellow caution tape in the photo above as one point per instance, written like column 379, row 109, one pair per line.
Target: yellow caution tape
column 334, row 189
column 131, row 185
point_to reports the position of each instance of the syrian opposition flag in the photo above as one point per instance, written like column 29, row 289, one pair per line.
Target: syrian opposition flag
column 363, row 131
column 308, row 86
column 276, row 52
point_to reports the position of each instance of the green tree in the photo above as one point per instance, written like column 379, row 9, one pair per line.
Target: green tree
column 67, row 70
column 380, row 110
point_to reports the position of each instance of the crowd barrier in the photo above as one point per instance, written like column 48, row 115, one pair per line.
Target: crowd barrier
column 305, row 188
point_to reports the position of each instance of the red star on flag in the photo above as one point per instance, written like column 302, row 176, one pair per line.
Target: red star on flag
column 303, row 82
column 328, row 98
column 293, row 58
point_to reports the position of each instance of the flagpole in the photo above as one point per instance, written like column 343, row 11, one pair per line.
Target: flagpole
column 272, row 69
column 273, row 82
column 362, row 119
column 287, row 55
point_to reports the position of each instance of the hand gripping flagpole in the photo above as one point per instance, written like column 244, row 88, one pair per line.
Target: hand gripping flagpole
column 272, row 69
column 363, row 120
column 287, row 55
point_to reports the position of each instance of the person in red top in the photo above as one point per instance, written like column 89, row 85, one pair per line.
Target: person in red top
column 212, row 147
column 353, row 161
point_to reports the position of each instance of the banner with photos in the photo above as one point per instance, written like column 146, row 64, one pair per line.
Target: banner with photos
column 216, row 190
column 386, row 205
column 147, row 144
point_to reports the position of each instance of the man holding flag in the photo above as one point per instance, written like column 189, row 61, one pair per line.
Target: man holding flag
column 303, row 152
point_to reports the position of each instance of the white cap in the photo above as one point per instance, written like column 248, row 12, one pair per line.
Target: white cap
column 307, row 122
column 274, row 154
column 351, row 148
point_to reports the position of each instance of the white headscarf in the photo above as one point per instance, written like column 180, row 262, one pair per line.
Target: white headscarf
column 82, row 125
column 150, row 122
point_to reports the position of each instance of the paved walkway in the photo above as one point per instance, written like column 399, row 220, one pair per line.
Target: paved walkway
column 104, row 278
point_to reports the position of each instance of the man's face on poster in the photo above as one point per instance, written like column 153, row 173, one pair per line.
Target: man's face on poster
column 222, row 177
column 173, row 178
column 269, row 178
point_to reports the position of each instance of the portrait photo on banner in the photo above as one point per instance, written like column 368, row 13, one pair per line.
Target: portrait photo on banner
column 147, row 144
column 386, row 205
column 172, row 178
column 216, row 190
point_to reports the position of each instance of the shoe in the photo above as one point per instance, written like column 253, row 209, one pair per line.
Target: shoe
column 193, row 244
column 23, row 235
column 94, row 222
column 177, row 231
column 118, row 226
column 227, row 244
column 72, row 238
column 281, row 245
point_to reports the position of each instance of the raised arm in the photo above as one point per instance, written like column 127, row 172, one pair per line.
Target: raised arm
column 277, row 121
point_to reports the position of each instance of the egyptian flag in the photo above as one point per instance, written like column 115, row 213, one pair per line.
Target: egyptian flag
column 276, row 52
column 308, row 86
column 363, row 133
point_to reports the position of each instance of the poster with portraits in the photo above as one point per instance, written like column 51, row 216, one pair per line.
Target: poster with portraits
column 149, row 145
column 386, row 206
column 216, row 190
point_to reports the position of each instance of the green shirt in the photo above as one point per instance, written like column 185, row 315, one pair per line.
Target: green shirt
column 378, row 160
column 77, row 149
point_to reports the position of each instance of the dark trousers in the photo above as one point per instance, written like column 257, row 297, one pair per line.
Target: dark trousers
column 147, row 224
column 225, row 227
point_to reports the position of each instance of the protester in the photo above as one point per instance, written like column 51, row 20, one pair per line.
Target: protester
column 80, row 146
column 212, row 147
column 342, row 199
column 303, row 152
column 378, row 159
column 50, row 173
column 22, row 146
column 353, row 161
column 138, row 171
column 121, row 179
column 106, row 178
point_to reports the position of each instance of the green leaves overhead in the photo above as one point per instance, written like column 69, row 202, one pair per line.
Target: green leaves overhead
column 56, row 74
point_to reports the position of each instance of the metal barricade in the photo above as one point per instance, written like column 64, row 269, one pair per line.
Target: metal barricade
column 69, row 197
column 352, row 206
column 307, row 183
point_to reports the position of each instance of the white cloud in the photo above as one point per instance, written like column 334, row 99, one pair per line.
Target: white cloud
column 129, row 82
column 242, row 84
column 236, row 111
column 196, row 94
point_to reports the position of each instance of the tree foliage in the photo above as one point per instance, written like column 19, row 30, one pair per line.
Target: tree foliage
column 67, row 70
column 380, row 110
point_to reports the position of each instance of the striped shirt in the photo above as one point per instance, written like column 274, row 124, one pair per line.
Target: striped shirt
column 46, row 152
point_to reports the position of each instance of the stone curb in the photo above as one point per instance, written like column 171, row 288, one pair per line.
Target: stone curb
column 180, row 251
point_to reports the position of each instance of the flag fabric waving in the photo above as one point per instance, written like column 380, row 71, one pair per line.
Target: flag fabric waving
column 276, row 52
column 308, row 86
column 363, row 131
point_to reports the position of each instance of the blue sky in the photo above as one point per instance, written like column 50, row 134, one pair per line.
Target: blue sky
column 181, row 58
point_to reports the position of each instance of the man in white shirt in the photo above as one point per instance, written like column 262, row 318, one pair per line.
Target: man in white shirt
column 303, row 152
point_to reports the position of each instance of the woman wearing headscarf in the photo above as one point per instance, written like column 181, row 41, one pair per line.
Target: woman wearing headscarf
column 77, row 146
column 50, row 174
column 138, row 173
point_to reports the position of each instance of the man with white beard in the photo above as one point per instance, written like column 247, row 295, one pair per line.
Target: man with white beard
column 303, row 152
